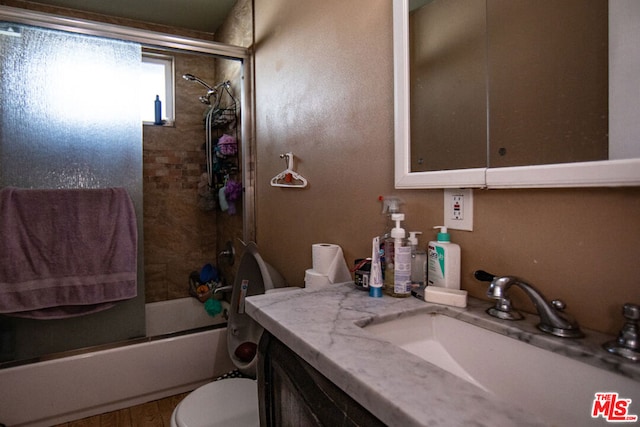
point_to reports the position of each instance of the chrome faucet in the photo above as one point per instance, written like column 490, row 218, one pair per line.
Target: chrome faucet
column 229, row 252
column 552, row 320
column 628, row 342
column 502, row 309
column 228, row 288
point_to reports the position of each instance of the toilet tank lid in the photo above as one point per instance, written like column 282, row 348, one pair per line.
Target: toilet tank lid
column 271, row 277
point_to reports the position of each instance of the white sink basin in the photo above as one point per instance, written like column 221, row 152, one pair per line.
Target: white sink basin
column 556, row 388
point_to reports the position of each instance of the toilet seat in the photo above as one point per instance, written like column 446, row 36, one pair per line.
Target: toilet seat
column 231, row 402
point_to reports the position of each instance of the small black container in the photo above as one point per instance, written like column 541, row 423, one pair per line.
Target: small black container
column 362, row 273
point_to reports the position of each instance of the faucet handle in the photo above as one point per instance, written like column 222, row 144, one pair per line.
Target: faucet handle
column 628, row 342
column 631, row 311
column 559, row 304
column 483, row 276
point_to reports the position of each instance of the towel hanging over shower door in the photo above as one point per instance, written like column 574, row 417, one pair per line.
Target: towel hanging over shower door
column 66, row 253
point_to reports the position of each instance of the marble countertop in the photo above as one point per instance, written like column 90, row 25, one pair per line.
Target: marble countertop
column 324, row 327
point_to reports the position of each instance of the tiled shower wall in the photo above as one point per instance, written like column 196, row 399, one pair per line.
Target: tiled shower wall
column 179, row 236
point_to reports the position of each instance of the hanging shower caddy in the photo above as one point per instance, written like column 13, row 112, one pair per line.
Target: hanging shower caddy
column 222, row 137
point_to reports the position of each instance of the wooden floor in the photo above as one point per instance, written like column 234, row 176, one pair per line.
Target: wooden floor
column 156, row 413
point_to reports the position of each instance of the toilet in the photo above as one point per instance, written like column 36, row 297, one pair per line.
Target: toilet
column 234, row 401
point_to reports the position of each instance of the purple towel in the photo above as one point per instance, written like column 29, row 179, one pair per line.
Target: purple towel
column 66, row 253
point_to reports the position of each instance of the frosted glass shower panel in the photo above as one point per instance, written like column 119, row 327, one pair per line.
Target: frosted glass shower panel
column 69, row 109
column 69, row 118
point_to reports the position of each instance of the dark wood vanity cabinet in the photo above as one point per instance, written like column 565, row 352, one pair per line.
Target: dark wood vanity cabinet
column 292, row 393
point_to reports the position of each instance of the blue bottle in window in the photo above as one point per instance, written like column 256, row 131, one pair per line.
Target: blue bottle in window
column 158, row 106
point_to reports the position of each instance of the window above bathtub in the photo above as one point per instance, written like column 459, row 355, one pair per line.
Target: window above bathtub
column 156, row 78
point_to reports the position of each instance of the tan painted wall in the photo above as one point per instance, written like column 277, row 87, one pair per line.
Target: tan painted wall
column 324, row 86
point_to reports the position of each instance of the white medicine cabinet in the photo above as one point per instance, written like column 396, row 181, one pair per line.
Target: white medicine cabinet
column 620, row 164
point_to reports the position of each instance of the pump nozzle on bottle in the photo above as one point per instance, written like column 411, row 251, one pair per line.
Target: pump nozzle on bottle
column 443, row 235
column 398, row 232
column 413, row 239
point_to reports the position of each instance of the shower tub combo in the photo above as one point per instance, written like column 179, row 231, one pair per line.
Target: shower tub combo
column 170, row 361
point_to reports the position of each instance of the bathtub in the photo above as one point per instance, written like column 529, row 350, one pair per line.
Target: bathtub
column 91, row 383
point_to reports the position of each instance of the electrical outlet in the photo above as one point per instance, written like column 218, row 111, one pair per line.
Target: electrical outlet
column 458, row 209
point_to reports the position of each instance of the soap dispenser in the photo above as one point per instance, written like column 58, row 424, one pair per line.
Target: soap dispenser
column 418, row 260
column 397, row 276
column 443, row 261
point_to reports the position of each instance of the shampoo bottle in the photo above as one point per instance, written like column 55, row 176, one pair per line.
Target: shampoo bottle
column 444, row 262
column 397, row 278
column 418, row 260
column 157, row 110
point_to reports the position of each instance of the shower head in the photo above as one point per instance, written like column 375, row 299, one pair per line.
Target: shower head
column 210, row 91
column 193, row 78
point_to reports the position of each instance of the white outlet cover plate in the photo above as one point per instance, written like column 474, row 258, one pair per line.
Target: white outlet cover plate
column 466, row 223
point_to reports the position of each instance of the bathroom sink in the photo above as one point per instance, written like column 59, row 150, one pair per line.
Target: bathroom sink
column 557, row 388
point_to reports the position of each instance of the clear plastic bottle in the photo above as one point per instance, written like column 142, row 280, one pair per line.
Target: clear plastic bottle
column 397, row 279
column 390, row 206
column 418, row 260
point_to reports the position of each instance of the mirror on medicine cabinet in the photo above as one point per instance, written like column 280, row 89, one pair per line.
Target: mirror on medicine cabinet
column 508, row 94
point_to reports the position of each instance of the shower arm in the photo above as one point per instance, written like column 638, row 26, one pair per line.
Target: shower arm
column 210, row 90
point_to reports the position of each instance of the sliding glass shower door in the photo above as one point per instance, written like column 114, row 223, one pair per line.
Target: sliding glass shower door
column 69, row 118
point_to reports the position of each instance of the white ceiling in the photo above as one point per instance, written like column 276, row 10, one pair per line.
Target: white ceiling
column 201, row 15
